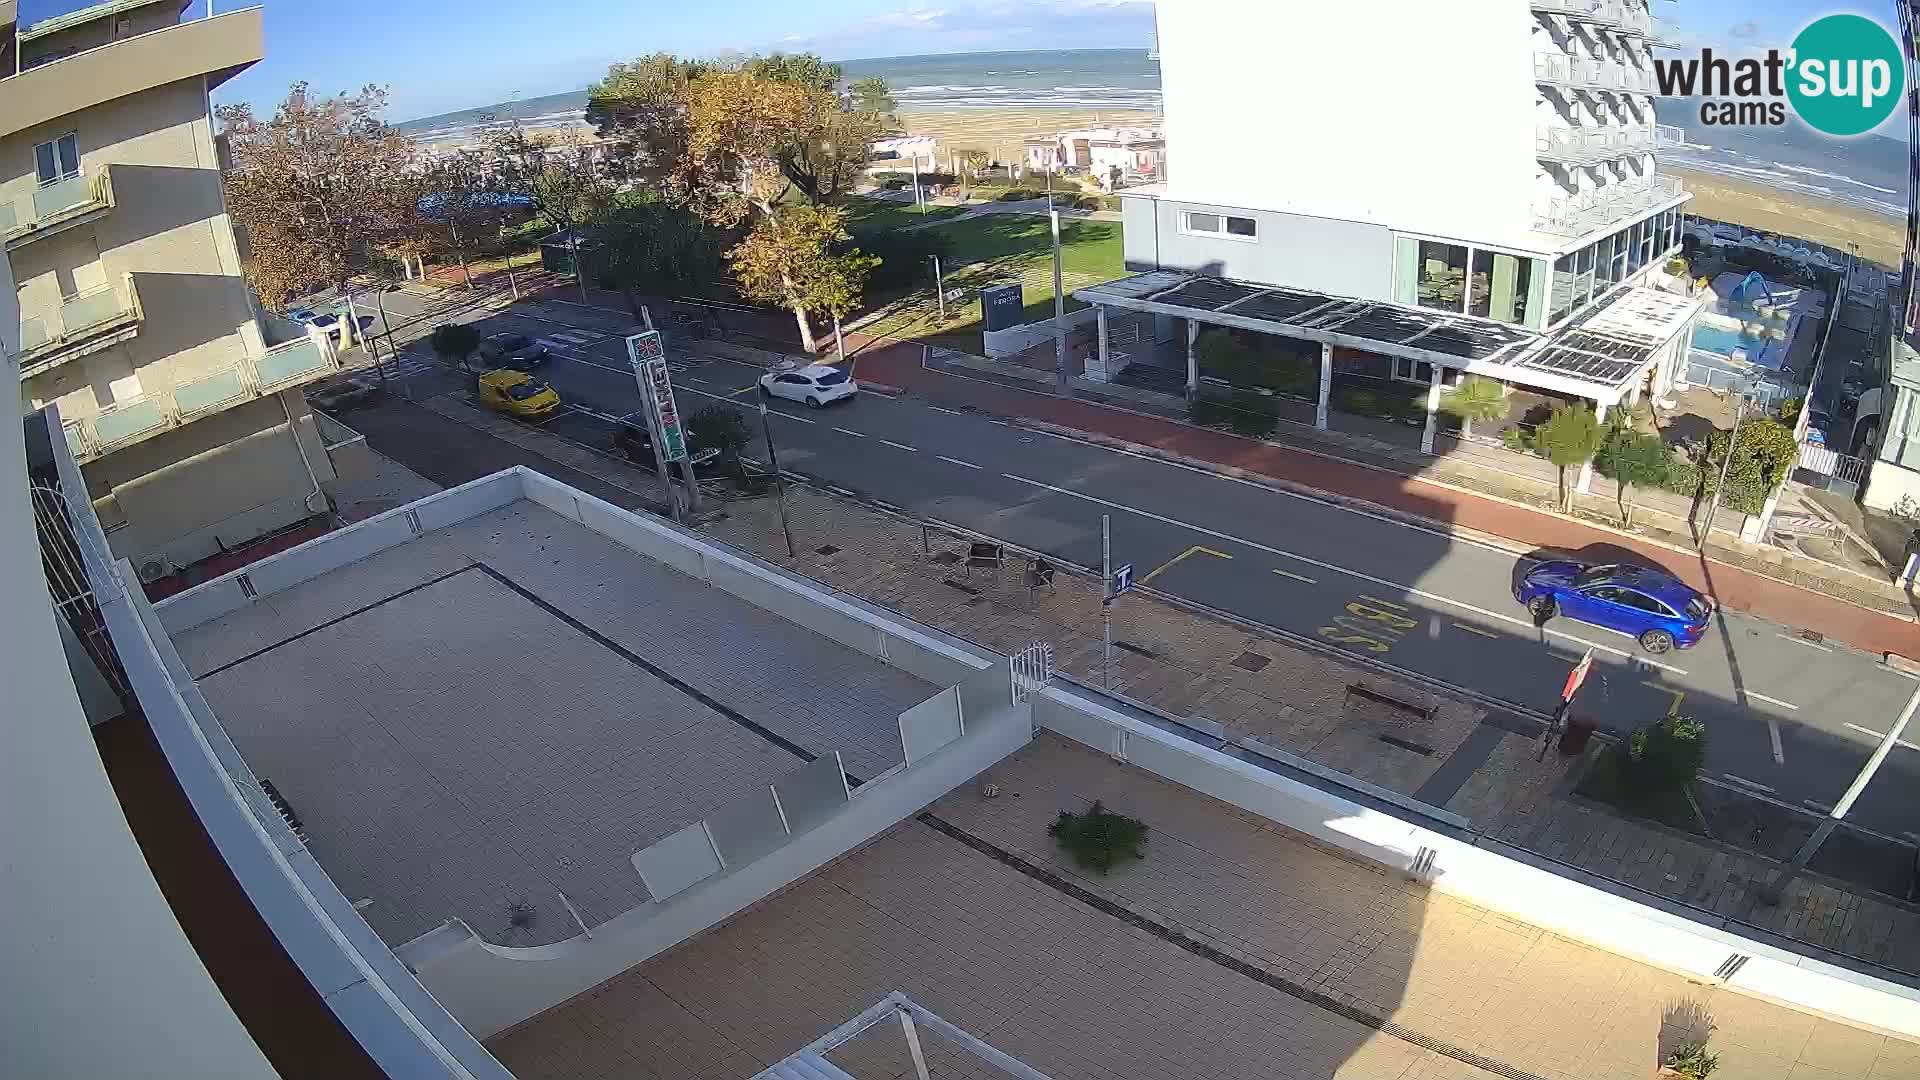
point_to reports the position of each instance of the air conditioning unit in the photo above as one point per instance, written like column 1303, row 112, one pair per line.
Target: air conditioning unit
column 153, row 569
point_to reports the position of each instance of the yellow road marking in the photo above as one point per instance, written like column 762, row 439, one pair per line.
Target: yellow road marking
column 743, row 390
column 1387, row 603
column 1187, row 554
column 1678, row 695
column 1296, row 577
column 1476, row 630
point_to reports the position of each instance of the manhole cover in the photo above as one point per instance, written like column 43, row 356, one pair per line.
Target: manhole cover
column 1251, row 661
column 826, row 549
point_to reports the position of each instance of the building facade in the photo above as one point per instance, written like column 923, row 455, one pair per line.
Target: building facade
column 126, row 305
column 1518, row 185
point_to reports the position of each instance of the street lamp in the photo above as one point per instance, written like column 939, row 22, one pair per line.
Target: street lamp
column 1741, row 390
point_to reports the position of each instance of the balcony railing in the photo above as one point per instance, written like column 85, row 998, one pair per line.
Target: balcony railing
column 77, row 320
column 1577, row 146
column 69, row 199
column 123, row 422
column 1668, row 136
column 1573, row 9
column 1591, row 211
column 1588, row 73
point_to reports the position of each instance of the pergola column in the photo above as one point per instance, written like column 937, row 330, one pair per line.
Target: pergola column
column 1193, row 360
column 1433, row 409
column 1600, row 409
column 1326, row 387
column 1100, row 317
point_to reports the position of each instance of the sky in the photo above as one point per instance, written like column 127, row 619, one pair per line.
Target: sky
column 439, row 55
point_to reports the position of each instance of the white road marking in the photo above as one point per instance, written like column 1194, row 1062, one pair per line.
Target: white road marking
column 1296, row 577
column 1744, row 782
column 1475, row 630
column 855, row 434
column 1820, row 806
column 949, row 412
column 1772, row 700
column 957, row 461
column 1773, row 733
column 1881, row 735
column 1797, row 640
column 900, row 446
column 1408, row 589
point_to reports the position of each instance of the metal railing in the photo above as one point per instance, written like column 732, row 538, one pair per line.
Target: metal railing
column 1667, row 136
column 1588, row 211
column 251, row 377
column 56, row 197
column 76, row 318
column 1577, row 9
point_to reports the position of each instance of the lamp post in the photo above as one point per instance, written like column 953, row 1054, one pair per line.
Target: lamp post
column 1740, row 390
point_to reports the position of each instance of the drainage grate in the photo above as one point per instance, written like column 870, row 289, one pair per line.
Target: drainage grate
column 1423, row 751
column 826, row 549
column 1137, row 650
column 1251, row 661
column 962, row 586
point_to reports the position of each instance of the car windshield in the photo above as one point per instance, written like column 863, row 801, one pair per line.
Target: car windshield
column 525, row 390
column 1594, row 575
column 831, row 378
column 1698, row 609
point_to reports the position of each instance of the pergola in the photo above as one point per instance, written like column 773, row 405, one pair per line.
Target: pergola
column 1600, row 356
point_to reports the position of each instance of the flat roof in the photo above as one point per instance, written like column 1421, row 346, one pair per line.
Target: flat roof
column 503, row 711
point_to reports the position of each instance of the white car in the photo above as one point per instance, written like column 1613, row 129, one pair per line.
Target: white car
column 815, row 384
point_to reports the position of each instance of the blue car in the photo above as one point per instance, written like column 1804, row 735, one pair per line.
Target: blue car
column 1662, row 611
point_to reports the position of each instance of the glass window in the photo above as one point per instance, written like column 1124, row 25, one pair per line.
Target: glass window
column 1603, row 272
column 1219, row 225
column 1499, row 286
column 1443, row 275
column 1202, row 223
column 1583, row 276
column 1240, row 226
column 1480, row 284
column 58, row 159
column 1561, row 301
column 1407, row 370
column 1622, row 240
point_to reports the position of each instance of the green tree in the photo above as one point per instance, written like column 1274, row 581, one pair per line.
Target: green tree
column 658, row 248
column 1762, row 459
column 454, row 342
column 723, row 428
column 643, row 104
column 971, row 163
column 556, row 176
column 791, row 260
column 1569, row 439
column 1665, row 755
column 872, row 95
column 1476, row 397
column 1635, row 459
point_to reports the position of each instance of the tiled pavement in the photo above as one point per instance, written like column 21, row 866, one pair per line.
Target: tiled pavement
column 449, row 740
column 1234, row 949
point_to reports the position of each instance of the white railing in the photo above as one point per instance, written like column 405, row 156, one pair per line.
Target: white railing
column 1667, row 136
column 1589, row 211
column 1636, row 79
column 157, row 410
column 51, row 199
column 1578, row 9
column 1633, row 19
column 75, row 319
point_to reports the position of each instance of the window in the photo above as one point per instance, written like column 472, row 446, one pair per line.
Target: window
column 1443, row 276
column 57, row 160
column 832, row 378
column 1583, row 277
column 1204, row 224
column 1604, row 264
column 1480, row 284
column 1560, row 303
column 1419, row 371
column 1498, row 288
column 1638, row 245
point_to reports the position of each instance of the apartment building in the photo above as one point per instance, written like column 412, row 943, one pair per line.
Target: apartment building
column 124, row 303
column 1491, row 165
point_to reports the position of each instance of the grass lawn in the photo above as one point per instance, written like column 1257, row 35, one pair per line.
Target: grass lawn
column 997, row 248
column 869, row 215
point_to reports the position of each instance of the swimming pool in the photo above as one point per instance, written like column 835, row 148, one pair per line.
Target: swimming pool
column 1722, row 340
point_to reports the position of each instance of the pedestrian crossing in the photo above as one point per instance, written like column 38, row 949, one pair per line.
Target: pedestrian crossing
column 575, row 336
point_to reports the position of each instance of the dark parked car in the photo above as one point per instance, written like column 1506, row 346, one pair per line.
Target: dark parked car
column 636, row 443
column 1660, row 610
column 517, row 351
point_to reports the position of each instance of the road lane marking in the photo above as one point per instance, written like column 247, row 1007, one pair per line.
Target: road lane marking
column 949, row 412
column 1773, row 733
column 1797, row 640
column 1744, row 782
column 957, row 461
column 1476, row 630
column 855, row 434
column 1673, row 707
column 1881, row 735
column 1771, row 700
column 742, row 390
column 1177, row 559
column 1388, row 603
column 900, row 446
column 1296, row 577
column 1526, row 624
column 1369, row 624
column 1819, row 807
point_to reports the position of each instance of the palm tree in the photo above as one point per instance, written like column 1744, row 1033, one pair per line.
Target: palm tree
column 1475, row 398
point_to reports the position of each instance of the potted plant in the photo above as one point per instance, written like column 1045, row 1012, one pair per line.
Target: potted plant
column 1692, row 1061
column 1099, row 839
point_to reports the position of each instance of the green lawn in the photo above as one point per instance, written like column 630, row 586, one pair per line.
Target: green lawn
column 864, row 214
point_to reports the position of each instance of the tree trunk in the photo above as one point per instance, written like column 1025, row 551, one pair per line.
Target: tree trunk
column 806, row 330
column 1625, row 500
column 1566, row 494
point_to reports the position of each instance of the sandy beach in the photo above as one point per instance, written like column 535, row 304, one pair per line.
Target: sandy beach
column 1000, row 132
column 1818, row 220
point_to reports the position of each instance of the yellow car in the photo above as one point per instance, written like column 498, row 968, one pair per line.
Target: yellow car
column 517, row 393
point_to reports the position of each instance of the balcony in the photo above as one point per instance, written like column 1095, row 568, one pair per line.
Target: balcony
column 1668, row 137
column 1576, row 147
column 1595, row 211
column 81, row 324
column 55, row 206
column 125, row 422
column 1587, row 73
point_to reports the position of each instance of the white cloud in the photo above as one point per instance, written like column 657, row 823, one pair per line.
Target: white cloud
column 922, row 18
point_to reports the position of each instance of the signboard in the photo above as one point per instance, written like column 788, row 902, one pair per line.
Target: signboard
column 1122, row 580
column 1577, row 676
column 1001, row 306
column 648, row 356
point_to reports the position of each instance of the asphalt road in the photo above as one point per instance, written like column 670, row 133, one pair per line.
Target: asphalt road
column 1788, row 718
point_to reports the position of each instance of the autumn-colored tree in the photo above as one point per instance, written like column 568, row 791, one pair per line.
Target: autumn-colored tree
column 643, row 104
column 791, row 260
column 313, row 187
column 556, row 175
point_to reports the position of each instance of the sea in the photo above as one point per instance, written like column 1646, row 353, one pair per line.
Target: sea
column 1868, row 172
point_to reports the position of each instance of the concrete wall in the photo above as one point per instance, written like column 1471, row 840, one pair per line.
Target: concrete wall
column 1346, row 258
column 1542, row 896
column 1018, row 339
column 96, row 32
column 1405, row 113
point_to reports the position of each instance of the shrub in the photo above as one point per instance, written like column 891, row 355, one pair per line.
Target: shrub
column 1789, row 410
column 454, row 342
column 1665, row 755
column 1019, row 195
column 896, row 183
column 1515, row 438
column 1099, row 839
column 1358, row 401
column 1254, row 415
column 1210, row 412
column 720, row 427
column 1693, row 1061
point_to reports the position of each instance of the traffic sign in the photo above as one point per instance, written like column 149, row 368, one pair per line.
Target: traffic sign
column 1577, row 676
column 1122, row 581
column 648, row 357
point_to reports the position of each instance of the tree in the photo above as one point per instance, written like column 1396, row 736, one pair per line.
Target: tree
column 971, row 163
column 1764, row 456
column 872, row 95
column 1475, row 398
column 454, row 342
column 791, row 260
column 643, row 104
column 1635, row 459
column 1569, row 439
column 658, row 248
column 723, row 428
column 556, row 177
column 313, row 187
column 1665, row 755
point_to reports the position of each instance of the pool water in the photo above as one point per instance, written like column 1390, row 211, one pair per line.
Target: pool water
column 1722, row 340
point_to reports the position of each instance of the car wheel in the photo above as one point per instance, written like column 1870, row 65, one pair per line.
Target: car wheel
column 812, row 402
column 1656, row 641
column 1542, row 608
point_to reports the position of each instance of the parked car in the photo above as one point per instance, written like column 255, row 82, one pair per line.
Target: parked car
column 343, row 392
column 1660, row 610
column 516, row 351
column 815, row 384
column 517, row 393
column 331, row 323
column 635, row 442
